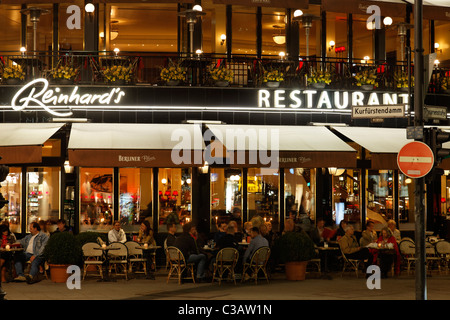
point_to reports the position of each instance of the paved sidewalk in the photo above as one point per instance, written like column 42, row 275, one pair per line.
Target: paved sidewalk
column 339, row 288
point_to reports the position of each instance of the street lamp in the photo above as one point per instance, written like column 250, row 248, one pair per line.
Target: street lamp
column 191, row 16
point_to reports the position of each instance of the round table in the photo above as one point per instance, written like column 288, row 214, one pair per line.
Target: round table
column 148, row 249
column 105, row 250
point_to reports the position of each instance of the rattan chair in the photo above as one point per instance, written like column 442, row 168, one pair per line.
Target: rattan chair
column 226, row 260
column 352, row 263
column 257, row 263
column 408, row 251
column 443, row 250
column 432, row 258
column 92, row 257
column 135, row 256
column 177, row 263
column 118, row 258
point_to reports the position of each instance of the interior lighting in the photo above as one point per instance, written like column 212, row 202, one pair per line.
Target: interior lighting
column 335, row 171
column 298, row 13
column 89, row 8
column 223, row 37
column 332, row 43
column 197, row 8
column 387, row 21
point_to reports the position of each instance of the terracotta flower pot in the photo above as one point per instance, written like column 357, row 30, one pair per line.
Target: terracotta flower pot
column 296, row 270
column 58, row 272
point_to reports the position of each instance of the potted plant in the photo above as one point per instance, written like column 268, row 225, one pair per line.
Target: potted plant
column 319, row 79
column 14, row 74
column 61, row 251
column 173, row 74
column 118, row 74
column 294, row 249
column 65, row 74
column 366, row 79
column 221, row 76
column 401, row 80
column 273, row 78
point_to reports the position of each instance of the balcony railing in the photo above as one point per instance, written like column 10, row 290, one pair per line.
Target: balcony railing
column 248, row 69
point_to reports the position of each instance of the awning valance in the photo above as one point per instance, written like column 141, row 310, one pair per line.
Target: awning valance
column 22, row 142
column 383, row 143
column 135, row 145
column 283, row 146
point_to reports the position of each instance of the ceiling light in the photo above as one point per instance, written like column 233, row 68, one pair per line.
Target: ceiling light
column 298, row 13
column 197, row 8
column 89, row 8
column 279, row 39
column 114, row 34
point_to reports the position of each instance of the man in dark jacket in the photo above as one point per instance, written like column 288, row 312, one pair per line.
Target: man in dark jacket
column 187, row 245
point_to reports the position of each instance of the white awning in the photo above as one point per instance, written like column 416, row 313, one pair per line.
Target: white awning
column 288, row 146
column 376, row 140
column 136, row 145
column 22, row 142
column 26, row 134
column 285, row 138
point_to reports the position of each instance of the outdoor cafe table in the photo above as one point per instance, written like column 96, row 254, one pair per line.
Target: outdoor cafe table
column 326, row 251
column 12, row 250
column 149, row 249
column 105, row 250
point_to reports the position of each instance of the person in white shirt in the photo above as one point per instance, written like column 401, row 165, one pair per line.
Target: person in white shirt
column 116, row 234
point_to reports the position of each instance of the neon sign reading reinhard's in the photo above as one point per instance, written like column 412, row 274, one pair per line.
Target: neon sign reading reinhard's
column 52, row 99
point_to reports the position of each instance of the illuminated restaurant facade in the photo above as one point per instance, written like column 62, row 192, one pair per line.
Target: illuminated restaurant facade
column 93, row 151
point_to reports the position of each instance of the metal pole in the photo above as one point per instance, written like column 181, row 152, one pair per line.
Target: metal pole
column 419, row 196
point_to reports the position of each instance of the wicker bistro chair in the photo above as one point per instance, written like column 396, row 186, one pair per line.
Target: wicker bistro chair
column 118, row 258
column 92, row 257
column 352, row 263
column 177, row 263
column 226, row 260
column 135, row 256
column 432, row 257
column 408, row 251
column 443, row 250
column 257, row 263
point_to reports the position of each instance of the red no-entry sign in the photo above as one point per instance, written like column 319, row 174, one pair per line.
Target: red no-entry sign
column 415, row 159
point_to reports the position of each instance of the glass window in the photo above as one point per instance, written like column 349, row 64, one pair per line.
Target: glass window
column 174, row 189
column 135, row 198
column 143, row 27
column 406, row 202
column 273, row 31
column 226, row 196
column 71, row 39
column 11, row 190
column 346, row 197
column 43, row 194
column 244, row 30
column 299, row 189
column 10, row 24
column 96, row 199
column 380, row 195
column 262, row 195
column 362, row 38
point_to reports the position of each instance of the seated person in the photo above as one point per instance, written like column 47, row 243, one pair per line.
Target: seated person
column 388, row 257
column 146, row 234
column 369, row 235
column 7, row 238
column 222, row 231
column 392, row 225
column 116, row 234
column 317, row 233
column 350, row 247
column 238, row 236
column 341, row 230
column 228, row 240
column 61, row 223
column 170, row 240
column 187, row 245
column 257, row 242
column 289, row 226
column 34, row 245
